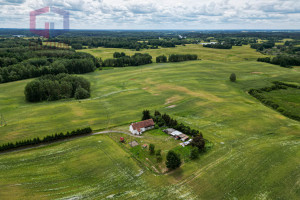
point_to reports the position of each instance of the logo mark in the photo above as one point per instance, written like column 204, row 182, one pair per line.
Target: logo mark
column 48, row 26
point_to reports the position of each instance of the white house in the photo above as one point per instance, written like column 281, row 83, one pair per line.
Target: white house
column 139, row 127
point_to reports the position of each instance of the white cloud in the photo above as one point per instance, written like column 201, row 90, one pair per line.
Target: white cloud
column 160, row 14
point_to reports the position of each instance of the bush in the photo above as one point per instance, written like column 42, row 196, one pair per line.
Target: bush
column 194, row 153
column 152, row 149
column 232, row 77
column 199, row 142
column 81, row 93
column 158, row 155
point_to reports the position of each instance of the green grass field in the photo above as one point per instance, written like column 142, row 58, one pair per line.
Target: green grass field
column 255, row 152
column 235, row 54
column 288, row 99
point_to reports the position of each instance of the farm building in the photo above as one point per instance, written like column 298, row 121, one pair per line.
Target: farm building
column 176, row 134
column 139, row 127
column 169, row 130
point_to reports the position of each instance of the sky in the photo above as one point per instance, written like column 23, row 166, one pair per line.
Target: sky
column 157, row 14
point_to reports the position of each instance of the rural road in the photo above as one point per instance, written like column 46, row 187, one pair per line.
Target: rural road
column 67, row 139
column 127, row 133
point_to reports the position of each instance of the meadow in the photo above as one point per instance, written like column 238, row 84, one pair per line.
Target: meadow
column 235, row 54
column 255, row 150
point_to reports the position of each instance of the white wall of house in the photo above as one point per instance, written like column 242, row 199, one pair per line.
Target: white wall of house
column 135, row 132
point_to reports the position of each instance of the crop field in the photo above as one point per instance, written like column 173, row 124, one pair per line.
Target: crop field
column 235, row 54
column 288, row 99
column 255, row 152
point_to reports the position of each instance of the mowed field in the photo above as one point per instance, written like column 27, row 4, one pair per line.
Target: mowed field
column 235, row 54
column 255, row 152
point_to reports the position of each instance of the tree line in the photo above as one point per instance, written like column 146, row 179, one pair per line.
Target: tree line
column 165, row 120
column 286, row 61
column 55, row 87
column 23, row 62
column 258, row 94
column 218, row 46
column 181, row 57
column 46, row 139
column 122, row 60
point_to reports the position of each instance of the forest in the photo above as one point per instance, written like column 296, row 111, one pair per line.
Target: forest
column 54, row 87
column 23, row 60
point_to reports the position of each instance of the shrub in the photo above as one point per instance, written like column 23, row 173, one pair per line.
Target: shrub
column 232, row 77
column 199, row 142
column 152, row 149
column 81, row 93
column 158, row 155
column 194, row 153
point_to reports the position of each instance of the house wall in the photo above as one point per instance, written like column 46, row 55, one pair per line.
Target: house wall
column 135, row 132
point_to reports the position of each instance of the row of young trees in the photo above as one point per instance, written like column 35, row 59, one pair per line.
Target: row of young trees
column 258, row 94
column 218, row 46
column 283, row 60
column 46, row 139
column 54, row 87
column 182, row 57
column 122, row 60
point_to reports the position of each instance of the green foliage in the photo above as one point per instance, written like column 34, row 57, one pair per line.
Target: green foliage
column 152, row 149
column 182, row 57
column 199, row 142
column 54, row 87
column 158, row 155
column 173, row 160
column 258, row 94
column 166, row 120
column 146, row 115
column 161, row 59
column 194, row 153
column 262, row 46
column 121, row 60
column 232, row 77
column 218, row 46
column 81, row 93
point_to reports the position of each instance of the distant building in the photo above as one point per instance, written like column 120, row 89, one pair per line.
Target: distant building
column 139, row 127
column 18, row 35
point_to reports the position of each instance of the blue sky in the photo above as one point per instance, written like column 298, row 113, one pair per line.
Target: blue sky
column 157, row 14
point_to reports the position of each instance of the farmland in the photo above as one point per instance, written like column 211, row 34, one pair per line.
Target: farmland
column 236, row 54
column 255, row 150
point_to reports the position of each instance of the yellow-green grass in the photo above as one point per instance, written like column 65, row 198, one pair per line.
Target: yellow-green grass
column 161, row 140
column 201, row 92
column 255, row 154
column 94, row 167
column 237, row 53
column 288, row 99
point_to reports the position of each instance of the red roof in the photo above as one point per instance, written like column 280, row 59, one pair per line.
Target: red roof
column 143, row 124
